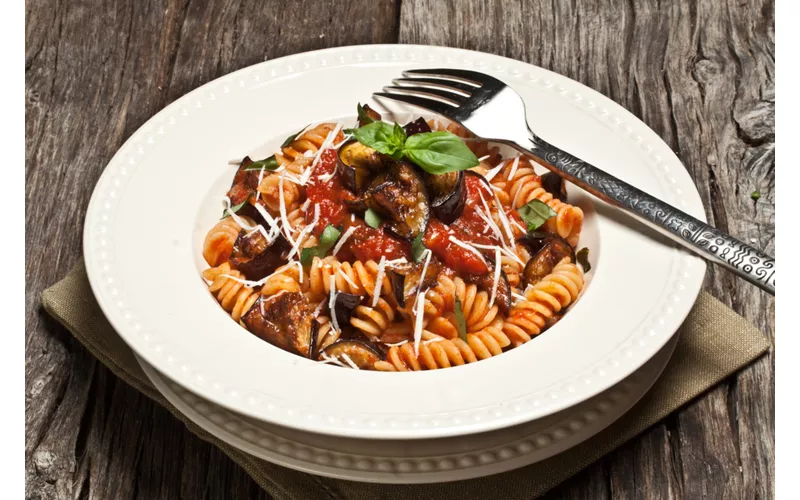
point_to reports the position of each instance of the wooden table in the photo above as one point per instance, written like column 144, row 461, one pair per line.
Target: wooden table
column 701, row 74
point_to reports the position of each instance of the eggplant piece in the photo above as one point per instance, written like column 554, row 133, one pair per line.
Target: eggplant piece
column 418, row 126
column 399, row 196
column 371, row 114
column 486, row 281
column 483, row 179
column 555, row 185
column 255, row 257
column 284, row 320
column 448, row 195
column 244, row 183
column 354, row 205
column 357, row 164
column 361, row 353
column 549, row 251
column 406, row 281
column 343, row 306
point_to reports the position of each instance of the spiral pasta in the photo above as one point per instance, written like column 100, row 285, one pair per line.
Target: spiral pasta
column 358, row 278
column 373, row 320
column 474, row 302
column 546, row 298
column 219, row 241
column 234, row 296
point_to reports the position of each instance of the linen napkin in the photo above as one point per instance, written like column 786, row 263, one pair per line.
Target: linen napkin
column 714, row 343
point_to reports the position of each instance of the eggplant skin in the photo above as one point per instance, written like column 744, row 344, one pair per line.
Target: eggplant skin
column 244, row 183
column 549, row 251
column 255, row 257
column 486, row 281
column 448, row 195
column 371, row 113
column 555, row 185
column 343, row 306
column 406, row 281
column 398, row 194
column 357, row 164
column 361, row 353
column 284, row 320
column 418, row 126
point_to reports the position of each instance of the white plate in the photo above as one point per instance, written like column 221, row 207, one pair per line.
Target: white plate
column 424, row 460
column 157, row 198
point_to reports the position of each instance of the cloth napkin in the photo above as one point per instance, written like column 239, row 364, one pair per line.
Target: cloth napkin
column 714, row 343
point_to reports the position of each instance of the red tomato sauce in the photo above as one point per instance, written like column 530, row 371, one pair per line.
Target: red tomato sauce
column 328, row 194
column 367, row 243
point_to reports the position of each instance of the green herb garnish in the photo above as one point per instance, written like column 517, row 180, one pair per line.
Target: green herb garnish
column 418, row 248
column 292, row 137
column 235, row 208
column 363, row 117
column 268, row 163
column 327, row 239
column 755, row 195
column 583, row 259
column 435, row 152
column 372, row 218
column 535, row 213
column 461, row 323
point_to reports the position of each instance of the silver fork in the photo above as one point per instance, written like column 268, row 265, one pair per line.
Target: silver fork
column 492, row 110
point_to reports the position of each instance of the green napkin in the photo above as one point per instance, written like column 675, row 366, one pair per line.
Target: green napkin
column 714, row 343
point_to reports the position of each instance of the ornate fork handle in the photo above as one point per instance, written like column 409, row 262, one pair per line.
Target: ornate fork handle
column 707, row 241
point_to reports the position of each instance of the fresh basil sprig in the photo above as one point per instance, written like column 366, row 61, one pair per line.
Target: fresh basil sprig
column 327, row 239
column 372, row 218
column 535, row 213
column 363, row 117
column 292, row 137
column 583, row 259
column 418, row 248
column 271, row 163
column 435, row 152
column 461, row 322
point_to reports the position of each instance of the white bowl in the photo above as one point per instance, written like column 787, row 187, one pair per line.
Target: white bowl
column 157, row 198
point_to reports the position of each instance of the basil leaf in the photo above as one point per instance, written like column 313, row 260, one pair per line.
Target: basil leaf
column 439, row 152
column 292, row 137
column 269, row 163
column 461, row 323
column 755, row 195
column 372, row 218
column 363, row 117
column 583, row 259
column 535, row 213
column 235, row 208
column 327, row 239
column 382, row 137
column 418, row 248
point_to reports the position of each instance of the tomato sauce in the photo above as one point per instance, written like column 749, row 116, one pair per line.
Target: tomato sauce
column 328, row 194
column 367, row 243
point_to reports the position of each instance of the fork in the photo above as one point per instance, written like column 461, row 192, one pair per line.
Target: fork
column 490, row 109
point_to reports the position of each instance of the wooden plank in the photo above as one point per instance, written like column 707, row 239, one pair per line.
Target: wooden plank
column 95, row 71
column 701, row 74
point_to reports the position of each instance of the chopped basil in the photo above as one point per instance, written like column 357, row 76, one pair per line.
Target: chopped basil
column 381, row 136
column 418, row 248
column 461, row 323
column 363, row 117
column 583, row 259
column 439, row 152
column 755, row 195
column 235, row 208
column 327, row 239
column 535, row 213
column 269, row 163
column 372, row 218
column 292, row 137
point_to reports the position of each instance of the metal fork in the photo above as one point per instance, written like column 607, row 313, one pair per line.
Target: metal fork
column 492, row 110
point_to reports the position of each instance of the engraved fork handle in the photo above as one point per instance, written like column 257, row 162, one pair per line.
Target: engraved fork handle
column 706, row 241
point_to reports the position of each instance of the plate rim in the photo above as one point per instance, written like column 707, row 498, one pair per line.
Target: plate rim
column 692, row 281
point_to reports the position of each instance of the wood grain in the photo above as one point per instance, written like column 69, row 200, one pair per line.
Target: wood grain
column 700, row 73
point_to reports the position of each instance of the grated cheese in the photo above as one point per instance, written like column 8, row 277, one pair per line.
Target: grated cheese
column 467, row 246
column 287, row 229
column 513, row 168
column 482, row 158
column 347, row 279
column 497, row 269
column 491, row 173
column 306, row 204
column 504, row 220
column 318, row 309
column 332, row 301
column 343, row 239
column 306, row 230
column 349, row 361
column 325, row 145
column 331, row 360
column 376, row 293
column 419, row 314
column 427, row 253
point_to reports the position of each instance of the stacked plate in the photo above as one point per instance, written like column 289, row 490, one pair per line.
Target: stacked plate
column 159, row 195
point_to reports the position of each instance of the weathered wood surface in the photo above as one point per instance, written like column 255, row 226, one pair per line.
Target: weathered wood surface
column 700, row 73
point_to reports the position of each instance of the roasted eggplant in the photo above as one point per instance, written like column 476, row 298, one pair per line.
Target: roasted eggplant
column 255, row 257
column 547, row 252
column 418, row 126
column 448, row 195
column 360, row 353
column 371, row 114
column 486, row 281
column 343, row 306
column 284, row 320
column 244, row 183
column 399, row 196
column 357, row 164
column 407, row 280
column 555, row 185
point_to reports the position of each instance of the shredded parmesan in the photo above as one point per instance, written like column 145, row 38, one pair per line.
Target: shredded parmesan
column 332, row 301
column 518, row 297
column 349, row 361
column 502, row 215
column 398, row 344
column 306, row 230
column 514, row 221
column 331, row 360
column 491, row 173
column 504, row 250
column 376, row 293
column 497, row 269
column 287, row 228
column 306, row 204
column 467, row 246
column 343, row 239
column 318, row 309
column 419, row 314
column 482, row 158
column 247, row 283
column 513, row 168
column 325, row 145
column 427, row 253
column 347, row 278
